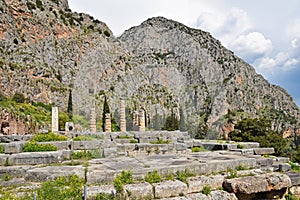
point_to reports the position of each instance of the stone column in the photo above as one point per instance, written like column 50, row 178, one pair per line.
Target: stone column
column 107, row 123
column 122, row 116
column 54, row 122
column 93, row 121
column 141, row 121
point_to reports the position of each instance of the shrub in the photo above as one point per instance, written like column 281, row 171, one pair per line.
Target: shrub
column 133, row 141
column 242, row 167
column 2, row 149
column 124, row 178
column 161, row 141
column 19, row 98
column 153, row 177
column 83, row 138
column 36, row 147
column 240, row 146
column 82, row 155
column 206, row 190
column 198, row 149
column 48, row 137
column 62, row 188
column 169, row 176
column 231, row 173
column 183, row 175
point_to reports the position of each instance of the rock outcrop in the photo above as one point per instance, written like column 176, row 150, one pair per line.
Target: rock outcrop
column 48, row 52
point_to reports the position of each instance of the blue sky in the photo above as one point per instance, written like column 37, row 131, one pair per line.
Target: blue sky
column 265, row 33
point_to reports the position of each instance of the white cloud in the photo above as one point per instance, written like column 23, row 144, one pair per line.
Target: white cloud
column 295, row 43
column 226, row 26
column 252, row 45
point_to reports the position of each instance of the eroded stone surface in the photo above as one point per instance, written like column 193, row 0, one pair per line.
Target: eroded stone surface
column 257, row 184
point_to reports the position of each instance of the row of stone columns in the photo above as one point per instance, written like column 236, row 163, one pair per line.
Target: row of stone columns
column 138, row 119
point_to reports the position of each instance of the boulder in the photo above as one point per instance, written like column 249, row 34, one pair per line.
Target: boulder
column 259, row 186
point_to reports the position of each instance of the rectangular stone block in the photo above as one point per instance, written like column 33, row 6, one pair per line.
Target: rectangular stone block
column 264, row 151
column 86, row 145
column 264, row 161
column 60, row 145
column 14, row 147
column 139, row 190
column 110, row 152
column 92, row 191
column 35, row 158
column 196, row 184
column 170, row 189
column 181, row 146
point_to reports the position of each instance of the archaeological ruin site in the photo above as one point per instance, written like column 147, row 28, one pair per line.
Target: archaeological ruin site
column 187, row 167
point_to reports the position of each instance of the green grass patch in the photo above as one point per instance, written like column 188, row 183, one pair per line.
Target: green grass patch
column 2, row 148
column 160, row 141
column 198, row 149
column 86, row 155
column 242, row 167
column 124, row 178
column 183, row 175
column 36, row 147
column 206, row 190
column 231, row 174
column 88, row 138
column 153, row 177
column 48, row 137
column 125, row 137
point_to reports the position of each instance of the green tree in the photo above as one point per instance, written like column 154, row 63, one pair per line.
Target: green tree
column 258, row 130
column 105, row 111
column 70, row 106
column 172, row 122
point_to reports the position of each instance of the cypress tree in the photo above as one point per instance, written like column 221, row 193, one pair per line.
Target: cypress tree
column 105, row 111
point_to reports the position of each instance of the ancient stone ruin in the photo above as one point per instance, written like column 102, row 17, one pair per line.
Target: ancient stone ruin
column 229, row 169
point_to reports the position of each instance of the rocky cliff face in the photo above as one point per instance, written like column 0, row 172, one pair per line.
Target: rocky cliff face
column 161, row 66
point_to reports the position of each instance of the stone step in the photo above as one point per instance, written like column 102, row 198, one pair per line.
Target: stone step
column 295, row 178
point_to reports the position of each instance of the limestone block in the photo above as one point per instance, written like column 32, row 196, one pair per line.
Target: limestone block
column 295, row 178
column 100, row 189
column 35, row 158
column 257, row 184
column 110, row 152
column 14, row 171
column 196, row 184
column 284, row 167
column 263, row 151
column 14, row 147
column 220, row 194
column 52, row 172
column 295, row 190
column 86, row 145
column 60, row 145
column 66, row 154
column 169, row 189
column 264, row 161
column 181, row 146
column 139, row 190
column 197, row 143
column 3, row 159
column 198, row 196
column 249, row 145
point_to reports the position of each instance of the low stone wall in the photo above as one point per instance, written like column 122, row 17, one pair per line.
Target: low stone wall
column 266, row 186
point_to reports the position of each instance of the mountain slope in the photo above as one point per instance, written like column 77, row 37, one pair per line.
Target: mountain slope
column 48, row 53
column 206, row 79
